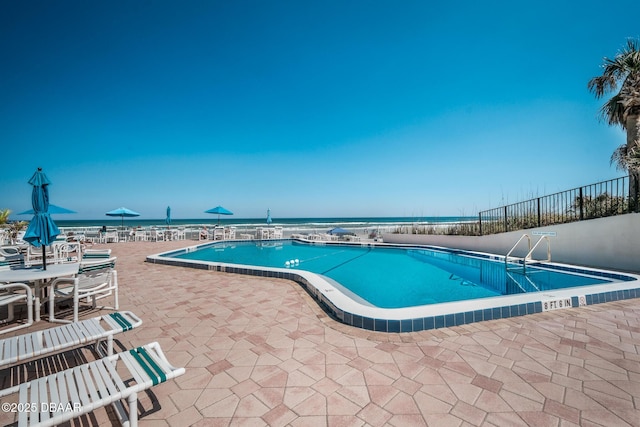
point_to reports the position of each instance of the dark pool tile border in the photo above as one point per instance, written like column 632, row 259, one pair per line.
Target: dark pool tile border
column 462, row 318
column 415, row 324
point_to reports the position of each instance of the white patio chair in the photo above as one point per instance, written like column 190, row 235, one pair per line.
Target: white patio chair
column 181, row 234
column 97, row 279
column 112, row 236
column 16, row 293
column 157, row 235
column 80, row 390
column 125, row 235
column 65, row 252
column 10, row 256
column 34, row 255
column 262, row 233
column 230, row 233
column 91, row 236
column 218, row 233
column 141, row 235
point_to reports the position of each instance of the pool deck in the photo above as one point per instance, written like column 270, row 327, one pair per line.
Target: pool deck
column 260, row 351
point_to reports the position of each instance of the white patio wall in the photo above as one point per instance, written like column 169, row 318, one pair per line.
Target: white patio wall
column 609, row 243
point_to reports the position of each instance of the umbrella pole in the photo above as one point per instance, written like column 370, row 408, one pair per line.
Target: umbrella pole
column 44, row 257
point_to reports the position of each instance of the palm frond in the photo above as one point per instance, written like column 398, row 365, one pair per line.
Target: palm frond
column 619, row 157
column 613, row 112
column 627, row 158
column 622, row 72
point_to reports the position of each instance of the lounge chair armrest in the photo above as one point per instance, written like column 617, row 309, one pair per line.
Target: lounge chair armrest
column 23, row 286
column 73, row 281
column 131, row 318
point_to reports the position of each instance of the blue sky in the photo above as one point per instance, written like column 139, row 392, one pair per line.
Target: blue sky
column 309, row 108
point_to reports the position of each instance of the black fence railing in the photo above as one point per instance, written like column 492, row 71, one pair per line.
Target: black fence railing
column 607, row 198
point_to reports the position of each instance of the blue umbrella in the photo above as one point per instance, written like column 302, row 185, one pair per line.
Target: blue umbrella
column 338, row 231
column 122, row 213
column 168, row 219
column 269, row 220
column 220, row 211
column 42, row 230
column 53, row 209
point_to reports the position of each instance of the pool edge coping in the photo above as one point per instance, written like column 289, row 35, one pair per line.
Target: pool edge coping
column 424, row 317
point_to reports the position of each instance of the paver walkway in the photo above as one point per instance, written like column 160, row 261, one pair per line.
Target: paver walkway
column 261, row 352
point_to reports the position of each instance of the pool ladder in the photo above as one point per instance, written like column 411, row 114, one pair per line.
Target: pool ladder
column 521, row 263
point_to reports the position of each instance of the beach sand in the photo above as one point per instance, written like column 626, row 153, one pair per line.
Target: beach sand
column 261, row 352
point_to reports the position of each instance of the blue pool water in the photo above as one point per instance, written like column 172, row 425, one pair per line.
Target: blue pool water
column 395, row 277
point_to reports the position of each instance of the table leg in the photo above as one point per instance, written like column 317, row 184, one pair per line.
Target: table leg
column 36, row 301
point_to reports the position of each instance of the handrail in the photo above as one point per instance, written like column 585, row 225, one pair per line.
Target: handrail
column 528, row 257
column 506, row 257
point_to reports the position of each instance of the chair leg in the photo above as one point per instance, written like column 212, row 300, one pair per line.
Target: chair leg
column 133, row 409
column 115, row 291
column 76, row 303
column 52, row 305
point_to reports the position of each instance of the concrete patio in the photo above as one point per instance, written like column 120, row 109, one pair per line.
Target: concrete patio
column 261, row 352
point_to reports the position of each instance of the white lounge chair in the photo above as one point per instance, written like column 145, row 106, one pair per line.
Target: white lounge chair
column 15, row 293
column 96, row 280
column 80, row 390
column 25, row 347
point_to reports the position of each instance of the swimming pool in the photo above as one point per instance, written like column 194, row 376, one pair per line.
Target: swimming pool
column 396, row 288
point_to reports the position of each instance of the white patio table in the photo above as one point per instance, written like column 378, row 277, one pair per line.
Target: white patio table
column 36, row 276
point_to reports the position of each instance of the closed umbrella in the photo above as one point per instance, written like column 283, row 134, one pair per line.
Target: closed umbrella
column 122, row 213
column 220, row 211
column 269, row 220
column 42, row 231
column 168, row 218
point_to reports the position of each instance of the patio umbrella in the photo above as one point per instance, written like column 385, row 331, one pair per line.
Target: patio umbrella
column 42, row 230
column 168, row 219
column 122, row 213
column 53, row 209
column 338, row 231
column 220, row 211
column 269, row 220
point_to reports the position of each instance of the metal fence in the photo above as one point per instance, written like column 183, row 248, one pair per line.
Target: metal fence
column 606, row 198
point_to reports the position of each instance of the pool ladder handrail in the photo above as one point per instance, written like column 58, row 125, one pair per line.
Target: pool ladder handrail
column 533, row 285
column 529, row 256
